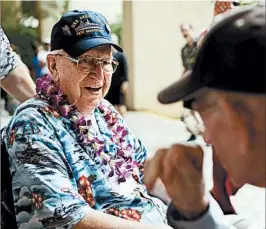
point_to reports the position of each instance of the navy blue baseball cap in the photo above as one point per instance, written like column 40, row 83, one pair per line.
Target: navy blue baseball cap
column 231, row 58
column 78, row 31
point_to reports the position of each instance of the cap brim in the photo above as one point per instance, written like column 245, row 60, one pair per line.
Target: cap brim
column 84, row 45
column 183, row 89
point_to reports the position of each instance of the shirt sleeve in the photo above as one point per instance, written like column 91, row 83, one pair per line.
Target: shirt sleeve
column 9, row 59
column 212, row 219
column 44, row 189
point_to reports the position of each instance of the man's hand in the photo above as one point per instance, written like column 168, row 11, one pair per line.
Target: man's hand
column 181, row 170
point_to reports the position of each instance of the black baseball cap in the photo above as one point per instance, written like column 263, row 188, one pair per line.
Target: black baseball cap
column 231, row 58
column 78, row 31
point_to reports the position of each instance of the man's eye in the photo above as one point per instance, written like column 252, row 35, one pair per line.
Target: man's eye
column 86, row 61
column 107, row 62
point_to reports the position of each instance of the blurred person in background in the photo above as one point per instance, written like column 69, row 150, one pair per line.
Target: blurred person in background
column 36, row 66
column 42, row 54
column 119, row 85
column 189, row 51
column 230, row 96
column 188, row 55
column 14, row 74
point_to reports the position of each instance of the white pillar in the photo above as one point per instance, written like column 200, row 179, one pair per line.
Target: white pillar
column 152, row 42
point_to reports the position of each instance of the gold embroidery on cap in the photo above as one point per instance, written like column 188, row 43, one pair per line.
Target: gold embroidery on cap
column 84, row 26
column 66, row 30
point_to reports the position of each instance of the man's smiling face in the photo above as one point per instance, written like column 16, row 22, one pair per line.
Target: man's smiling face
column 85, row 89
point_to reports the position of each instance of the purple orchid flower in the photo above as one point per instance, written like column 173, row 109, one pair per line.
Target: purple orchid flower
column 56, row 99
column 124, row 133
column 99, row 142
column 119, row 129
column 43, row 80
column 64, row 110
column 80, row 137
column 119, row 162
column 120, row 153
column 111, row 174
column 108, row 117
column 121, row 179
column 136, row 164
column 85, row 131
column 105, row 162
column 101, row 107
column 86, row 141
column 82, row 121
column 45, row 85
column 123, row 165
column 122, row 175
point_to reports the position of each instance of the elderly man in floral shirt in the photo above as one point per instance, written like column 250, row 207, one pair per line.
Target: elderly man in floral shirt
column 74, row 161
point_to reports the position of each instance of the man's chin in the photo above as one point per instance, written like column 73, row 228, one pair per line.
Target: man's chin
column 88, row 105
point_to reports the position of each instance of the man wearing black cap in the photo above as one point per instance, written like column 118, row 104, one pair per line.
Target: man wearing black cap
column 227, row 87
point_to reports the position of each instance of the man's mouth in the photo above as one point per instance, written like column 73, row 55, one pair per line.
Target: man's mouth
column 94, row 89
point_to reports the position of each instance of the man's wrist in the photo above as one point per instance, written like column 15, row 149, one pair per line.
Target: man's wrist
column 194, row 213
column 210, row 219
column 189, row 216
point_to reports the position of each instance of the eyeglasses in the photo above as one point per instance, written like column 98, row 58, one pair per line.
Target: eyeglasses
column 87, row 64
column 193, row 122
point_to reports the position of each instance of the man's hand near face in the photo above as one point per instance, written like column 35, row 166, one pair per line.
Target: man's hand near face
column 181, row 170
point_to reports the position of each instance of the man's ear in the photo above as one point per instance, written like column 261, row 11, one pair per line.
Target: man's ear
column 51, row 64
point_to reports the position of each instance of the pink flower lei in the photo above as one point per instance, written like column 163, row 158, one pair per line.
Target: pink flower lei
column 123, row 165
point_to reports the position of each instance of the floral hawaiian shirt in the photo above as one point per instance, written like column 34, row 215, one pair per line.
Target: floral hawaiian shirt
column 57, row 181
column 8, row 59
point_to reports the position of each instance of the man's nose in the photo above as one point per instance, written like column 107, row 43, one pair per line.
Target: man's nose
column 98, row 72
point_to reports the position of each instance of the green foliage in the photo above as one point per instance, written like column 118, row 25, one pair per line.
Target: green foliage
column 23, row 37
column 11, row 14
column 28, row 9
column 117, row 28
column 59, row 6
column 8, row 12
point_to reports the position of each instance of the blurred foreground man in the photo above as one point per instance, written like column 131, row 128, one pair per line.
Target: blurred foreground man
column 229, row 92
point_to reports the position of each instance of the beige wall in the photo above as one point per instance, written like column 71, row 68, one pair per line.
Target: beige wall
column 152, row 42
column 111, row 9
